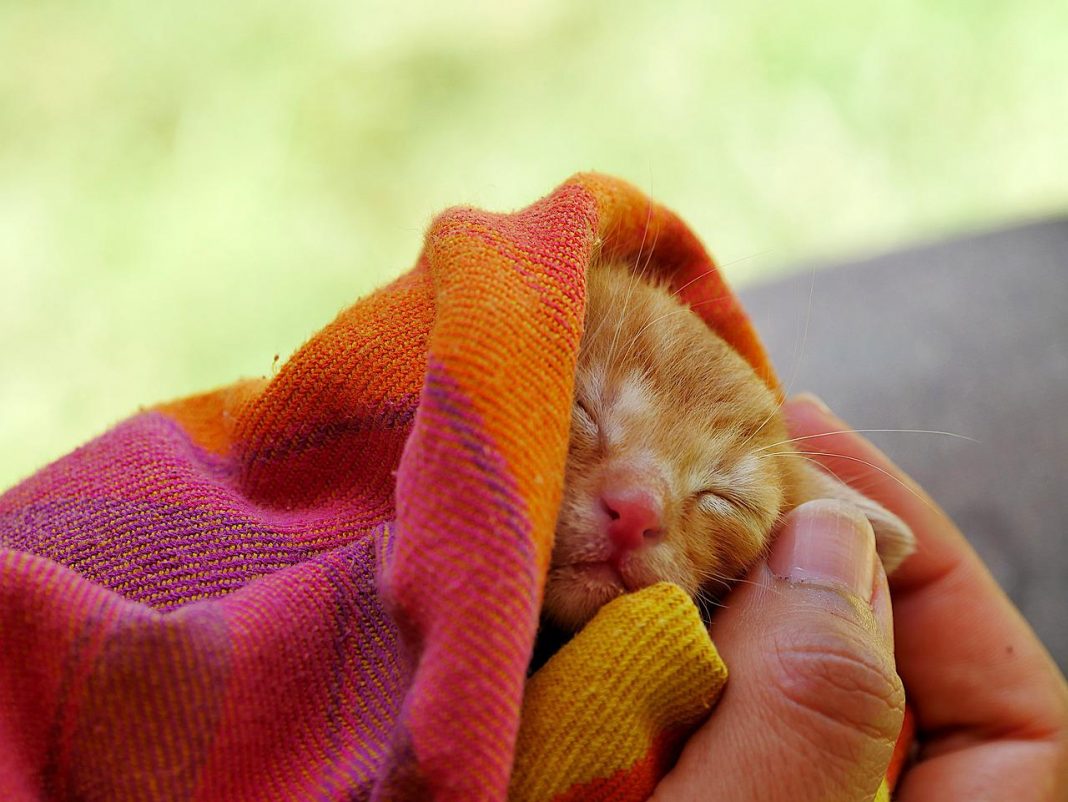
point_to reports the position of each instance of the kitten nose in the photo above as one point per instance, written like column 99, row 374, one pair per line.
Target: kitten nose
column 633, row 517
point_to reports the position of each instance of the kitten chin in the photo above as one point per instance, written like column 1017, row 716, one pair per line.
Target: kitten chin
column 679, row 463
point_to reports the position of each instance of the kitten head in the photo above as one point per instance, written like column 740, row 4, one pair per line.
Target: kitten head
column 677, row 466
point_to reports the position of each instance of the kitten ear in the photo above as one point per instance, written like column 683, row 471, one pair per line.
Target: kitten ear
column 894, row 539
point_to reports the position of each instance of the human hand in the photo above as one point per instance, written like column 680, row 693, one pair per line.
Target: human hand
column 991, row 706
column 814, row 705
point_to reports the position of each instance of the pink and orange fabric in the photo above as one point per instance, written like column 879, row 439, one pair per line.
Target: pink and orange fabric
column 326, row 585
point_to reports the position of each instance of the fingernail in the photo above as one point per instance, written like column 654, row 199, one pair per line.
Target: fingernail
column 813, row 399
column 827, row 543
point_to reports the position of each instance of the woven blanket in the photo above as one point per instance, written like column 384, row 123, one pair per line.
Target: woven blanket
column 326, row 584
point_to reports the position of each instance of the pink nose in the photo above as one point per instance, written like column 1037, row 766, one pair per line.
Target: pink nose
column 633, row 517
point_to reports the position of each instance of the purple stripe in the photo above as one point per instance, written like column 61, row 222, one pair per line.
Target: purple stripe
column 147, row 513
column 388, row 415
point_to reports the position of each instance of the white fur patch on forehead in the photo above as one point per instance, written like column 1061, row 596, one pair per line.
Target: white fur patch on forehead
column 633, row 395
column 628, row 400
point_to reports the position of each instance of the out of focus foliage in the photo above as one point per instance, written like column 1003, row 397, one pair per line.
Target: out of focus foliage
column 187, row 189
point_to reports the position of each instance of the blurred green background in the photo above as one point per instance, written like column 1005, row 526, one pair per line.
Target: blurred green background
column 187, row 189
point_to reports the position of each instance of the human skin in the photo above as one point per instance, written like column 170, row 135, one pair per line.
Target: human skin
column 814, row 702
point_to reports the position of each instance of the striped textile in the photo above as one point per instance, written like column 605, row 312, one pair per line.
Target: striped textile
column 326, row 585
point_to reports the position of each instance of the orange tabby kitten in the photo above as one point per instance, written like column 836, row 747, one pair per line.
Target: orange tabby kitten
column 679, row 462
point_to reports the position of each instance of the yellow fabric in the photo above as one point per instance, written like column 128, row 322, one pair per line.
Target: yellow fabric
column 607, row 703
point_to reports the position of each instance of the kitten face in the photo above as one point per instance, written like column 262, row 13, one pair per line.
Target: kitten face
column 677, row 467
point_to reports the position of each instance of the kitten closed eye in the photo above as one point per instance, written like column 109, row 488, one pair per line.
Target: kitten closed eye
column 715, row 501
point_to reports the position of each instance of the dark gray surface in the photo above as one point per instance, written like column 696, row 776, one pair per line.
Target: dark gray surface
column 971, row 337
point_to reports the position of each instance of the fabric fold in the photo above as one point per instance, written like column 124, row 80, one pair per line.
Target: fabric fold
column 326, row 584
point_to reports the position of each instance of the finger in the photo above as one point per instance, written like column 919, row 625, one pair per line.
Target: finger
column 975, row 671
column 881, row 606
column 813, row 706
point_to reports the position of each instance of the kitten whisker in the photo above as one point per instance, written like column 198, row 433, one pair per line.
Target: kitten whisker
column 641, row 274
column 705, row 576
column 634, row 340
column 804, row 334
column 798, row 356
column 808, row 455
column 718, row 268
column 868, row 431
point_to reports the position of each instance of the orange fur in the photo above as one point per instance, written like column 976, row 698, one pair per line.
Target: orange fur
column 662, row 402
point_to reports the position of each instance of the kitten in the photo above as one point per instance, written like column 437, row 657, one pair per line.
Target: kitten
column 679, row 462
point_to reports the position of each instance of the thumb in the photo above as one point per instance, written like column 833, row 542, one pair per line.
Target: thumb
column 814, row 703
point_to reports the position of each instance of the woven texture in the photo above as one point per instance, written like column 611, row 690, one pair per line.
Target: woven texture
column 326, row 585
